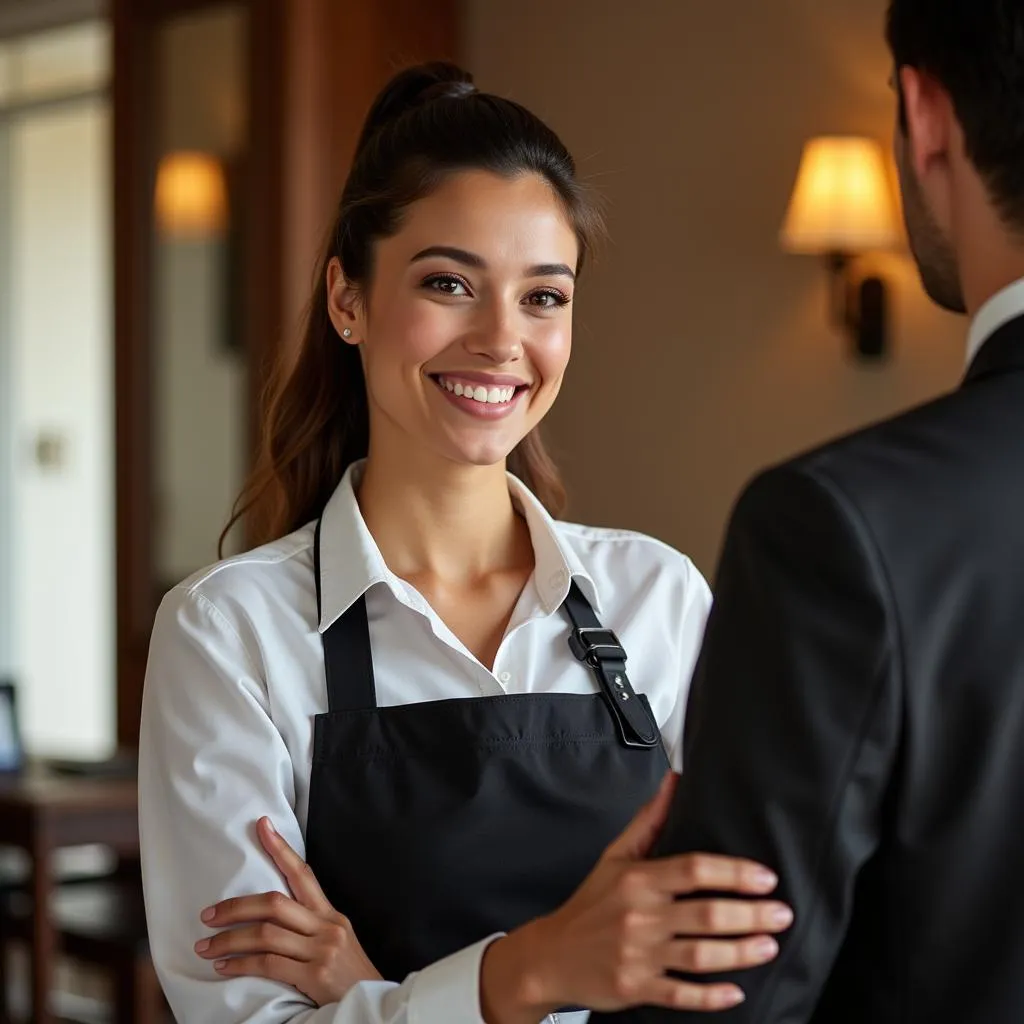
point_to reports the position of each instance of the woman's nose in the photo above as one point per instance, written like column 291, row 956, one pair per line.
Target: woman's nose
column 498, row 339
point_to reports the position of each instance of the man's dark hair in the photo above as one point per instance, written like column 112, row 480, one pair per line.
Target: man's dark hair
column 975, row 48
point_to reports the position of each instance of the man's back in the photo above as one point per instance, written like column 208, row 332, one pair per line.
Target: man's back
column 857, row 715
column 937, row 929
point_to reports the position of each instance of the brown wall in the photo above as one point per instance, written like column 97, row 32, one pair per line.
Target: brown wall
column 701, row 351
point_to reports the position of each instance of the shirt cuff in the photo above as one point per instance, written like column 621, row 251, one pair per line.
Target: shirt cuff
column 448, row 992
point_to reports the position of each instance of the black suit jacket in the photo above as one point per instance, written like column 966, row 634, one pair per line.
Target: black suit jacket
column 857, row 715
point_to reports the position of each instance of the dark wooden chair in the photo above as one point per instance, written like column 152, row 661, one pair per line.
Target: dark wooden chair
column 100, row 922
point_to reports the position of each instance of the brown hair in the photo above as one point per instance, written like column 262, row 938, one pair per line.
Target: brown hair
column 427, row 123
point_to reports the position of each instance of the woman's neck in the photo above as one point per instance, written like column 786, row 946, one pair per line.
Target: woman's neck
column 432, row 518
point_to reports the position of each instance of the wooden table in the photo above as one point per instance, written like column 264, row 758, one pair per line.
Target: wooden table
column 41, row 812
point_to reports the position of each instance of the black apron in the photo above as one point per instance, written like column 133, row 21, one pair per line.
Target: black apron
column 436, row 824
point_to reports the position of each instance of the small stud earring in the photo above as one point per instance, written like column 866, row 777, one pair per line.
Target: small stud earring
column 347, row 333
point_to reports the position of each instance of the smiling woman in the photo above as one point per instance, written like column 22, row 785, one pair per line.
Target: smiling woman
column 476, row 390
column 423, row 130
column 493, row 322
column 410, row 678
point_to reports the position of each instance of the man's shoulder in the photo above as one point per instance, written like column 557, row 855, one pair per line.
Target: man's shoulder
column 935, row 440
column 930, row 470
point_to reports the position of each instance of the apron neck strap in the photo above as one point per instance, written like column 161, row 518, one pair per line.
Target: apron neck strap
column 601, row 649
column 348, row 662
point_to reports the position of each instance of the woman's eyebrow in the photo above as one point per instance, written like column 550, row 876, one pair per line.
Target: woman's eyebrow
column 471, row 259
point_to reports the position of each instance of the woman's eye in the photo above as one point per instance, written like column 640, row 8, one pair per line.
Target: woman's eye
column 548, row 298
column 445, row 284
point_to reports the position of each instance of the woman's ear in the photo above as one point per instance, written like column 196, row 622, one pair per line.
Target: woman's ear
column 344, row 304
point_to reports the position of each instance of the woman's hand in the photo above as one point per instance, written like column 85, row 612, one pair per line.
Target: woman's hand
column 301, row 940
column 610, row 946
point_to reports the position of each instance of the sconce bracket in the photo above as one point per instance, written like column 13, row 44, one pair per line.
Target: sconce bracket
column 860, row 308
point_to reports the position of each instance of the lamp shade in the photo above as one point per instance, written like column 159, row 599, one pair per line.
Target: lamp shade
column 842, row 201
column 191, row 195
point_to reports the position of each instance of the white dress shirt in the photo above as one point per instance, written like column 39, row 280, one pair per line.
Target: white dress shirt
column 1004, row 306
column 236, row 675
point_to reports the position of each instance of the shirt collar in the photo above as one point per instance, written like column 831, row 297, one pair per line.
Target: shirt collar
column 1003, row 307
column 556, row 561
column 351, row 562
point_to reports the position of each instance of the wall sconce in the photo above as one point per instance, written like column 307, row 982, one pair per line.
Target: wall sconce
column 842, row 207
column 191, row 196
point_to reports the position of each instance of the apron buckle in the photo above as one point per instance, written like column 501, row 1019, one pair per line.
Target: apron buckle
column 601, row 650
column 594, row 645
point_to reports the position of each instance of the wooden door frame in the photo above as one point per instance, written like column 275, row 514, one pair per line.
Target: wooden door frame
column 133, row 503
column 134, row 22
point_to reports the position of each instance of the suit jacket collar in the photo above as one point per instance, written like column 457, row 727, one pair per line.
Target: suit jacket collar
column 1002, row 352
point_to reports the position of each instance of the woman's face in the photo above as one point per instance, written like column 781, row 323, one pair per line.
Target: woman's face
column 466, row 330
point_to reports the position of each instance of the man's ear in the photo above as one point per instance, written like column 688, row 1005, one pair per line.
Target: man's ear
column 929, row 116
column 344, row 304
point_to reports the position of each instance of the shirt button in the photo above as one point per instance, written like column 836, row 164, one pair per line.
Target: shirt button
column 505, row 677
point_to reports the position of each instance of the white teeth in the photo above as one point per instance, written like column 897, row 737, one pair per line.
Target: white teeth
column 492, row 396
